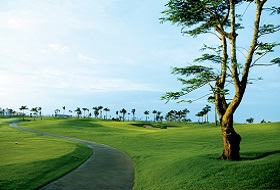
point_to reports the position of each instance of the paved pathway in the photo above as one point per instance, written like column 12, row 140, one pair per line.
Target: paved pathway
column 107, row 168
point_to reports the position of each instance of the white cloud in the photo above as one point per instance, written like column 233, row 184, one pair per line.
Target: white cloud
column 13, row 20
column 43, row 51
column 117, row 85
column 86, row 58
column 60, row 48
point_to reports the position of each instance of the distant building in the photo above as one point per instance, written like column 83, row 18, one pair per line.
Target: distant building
column 62, row 116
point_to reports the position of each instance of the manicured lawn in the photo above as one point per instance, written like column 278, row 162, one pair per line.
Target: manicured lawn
column 28, row 161
column 183, row 157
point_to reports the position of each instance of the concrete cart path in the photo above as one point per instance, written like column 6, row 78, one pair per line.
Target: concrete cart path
column 107, row 168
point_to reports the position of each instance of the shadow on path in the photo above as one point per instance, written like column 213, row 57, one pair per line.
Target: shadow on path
column 107, row 168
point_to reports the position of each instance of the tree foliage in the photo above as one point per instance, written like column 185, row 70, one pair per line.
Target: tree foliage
column 220, row 18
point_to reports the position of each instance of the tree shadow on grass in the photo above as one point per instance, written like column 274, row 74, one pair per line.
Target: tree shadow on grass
column 247, row 155
column 257, row 155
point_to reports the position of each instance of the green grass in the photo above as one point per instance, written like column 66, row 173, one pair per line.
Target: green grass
column 183, row 157
column 35, row 160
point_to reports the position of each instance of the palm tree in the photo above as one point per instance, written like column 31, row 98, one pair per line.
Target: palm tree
column 147, row 114
column 158, row 116
column 88, row 113
column 84, row 109
column 133, row 113
column 95, row 112
column 154, row 112
column 168, row 116
column 200, row 114
column 63, row 107
column 34, row 111
column 79, row 112
column 123, row 112
column 22, row 108
column 117, row 115
column 100, row 111
column 173, row 114
column 10, row 112
column 106, row 110
column 186, row 111
column 211, row 99
column 128, row 114
column 40, row 112
column 206, row 109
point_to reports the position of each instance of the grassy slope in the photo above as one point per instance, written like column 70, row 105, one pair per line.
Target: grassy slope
column 35, row 159
column 184, row 157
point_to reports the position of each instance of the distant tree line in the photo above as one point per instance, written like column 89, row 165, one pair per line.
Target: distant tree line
column 120, row 115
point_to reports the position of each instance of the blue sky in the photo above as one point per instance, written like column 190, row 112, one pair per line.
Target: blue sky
column 113, row 53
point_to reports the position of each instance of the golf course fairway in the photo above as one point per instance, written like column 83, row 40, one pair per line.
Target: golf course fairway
column 183, row 156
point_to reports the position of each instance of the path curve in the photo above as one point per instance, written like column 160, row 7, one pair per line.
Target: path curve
column 107, row 168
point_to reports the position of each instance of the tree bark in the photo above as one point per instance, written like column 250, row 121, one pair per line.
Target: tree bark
column 231, row 139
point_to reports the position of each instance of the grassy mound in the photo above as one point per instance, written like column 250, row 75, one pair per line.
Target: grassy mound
column 28, row 161
column 183, row 157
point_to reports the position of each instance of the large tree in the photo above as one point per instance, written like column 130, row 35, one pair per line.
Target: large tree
column 222, row 19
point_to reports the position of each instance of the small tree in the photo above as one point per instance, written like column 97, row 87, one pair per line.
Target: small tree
column 220, row 18
column 250, row 120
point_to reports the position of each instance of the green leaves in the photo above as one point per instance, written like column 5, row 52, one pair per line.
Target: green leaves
column 203, row 14
column 274, row 10
column 263, row 48
column 209, row 57
column 215, row 58
column 219, row 18
column 268, row 29
column 276, row 61
column 192, row 78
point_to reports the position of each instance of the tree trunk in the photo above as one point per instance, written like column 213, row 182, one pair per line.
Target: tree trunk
column 231, row 140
